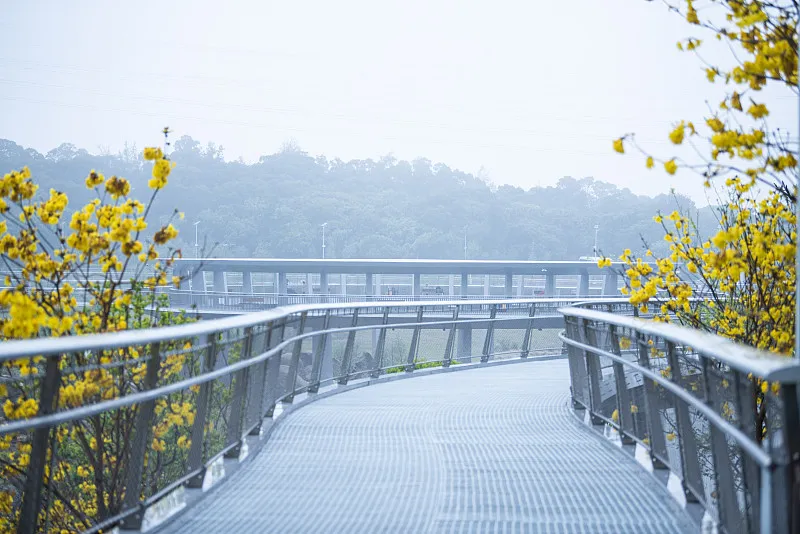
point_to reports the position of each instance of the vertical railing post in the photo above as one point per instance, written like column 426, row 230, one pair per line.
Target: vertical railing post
column 579, row 378
column 240, row 388
column 138, row 446
column 347, row 357
column 380, row 345
column 487, row 342
column 34, row 482
column 258, row 378
column 451, row 338
column 196, row 448
column 655, row 430
column 274, row 367
column 319, row 354
column 690, row 467
column 744, row 396
column 412, row 350
column 297, row 348
column 791, row 436
column 623, row 394
column 526, row 340
column 593, row 370
column 727, row 500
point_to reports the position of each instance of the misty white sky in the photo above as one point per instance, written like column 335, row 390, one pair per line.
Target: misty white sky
column 532, row 91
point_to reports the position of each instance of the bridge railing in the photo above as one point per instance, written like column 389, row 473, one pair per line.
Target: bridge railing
column 722, row 417
column 98, row 430
column 248, row 302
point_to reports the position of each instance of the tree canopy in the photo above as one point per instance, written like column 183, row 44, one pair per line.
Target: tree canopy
column 384, row 208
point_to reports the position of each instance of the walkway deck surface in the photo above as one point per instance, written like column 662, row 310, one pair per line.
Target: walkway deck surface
column 486, row 450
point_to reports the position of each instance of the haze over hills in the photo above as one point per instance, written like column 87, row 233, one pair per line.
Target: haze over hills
column 374, row 208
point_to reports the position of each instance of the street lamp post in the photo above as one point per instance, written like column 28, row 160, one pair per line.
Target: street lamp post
column 196, row 244
column 323, row 239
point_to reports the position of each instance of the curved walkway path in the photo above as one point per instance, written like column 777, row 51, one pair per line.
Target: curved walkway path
column 485, row 450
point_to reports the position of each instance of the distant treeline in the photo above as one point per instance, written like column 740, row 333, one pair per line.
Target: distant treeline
column 382, row 208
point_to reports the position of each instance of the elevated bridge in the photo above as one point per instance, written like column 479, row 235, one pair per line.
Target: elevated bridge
column 609, row 424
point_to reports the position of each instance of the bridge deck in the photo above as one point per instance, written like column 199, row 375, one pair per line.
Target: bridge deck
column 488, row 450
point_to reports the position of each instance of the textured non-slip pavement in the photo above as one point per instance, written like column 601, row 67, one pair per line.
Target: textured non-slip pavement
column 479, row 451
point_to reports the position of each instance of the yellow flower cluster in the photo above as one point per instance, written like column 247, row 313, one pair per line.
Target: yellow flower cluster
column 56, row 255
column 763, row 36
column 746, row 270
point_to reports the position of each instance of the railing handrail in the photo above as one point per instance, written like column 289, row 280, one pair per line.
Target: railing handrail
column 51, row 346
column 766, row 365
column 744, row 441
column 82, row 412
column 704, row 391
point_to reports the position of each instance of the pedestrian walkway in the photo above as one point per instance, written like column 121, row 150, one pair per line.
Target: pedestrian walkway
column 494, row 450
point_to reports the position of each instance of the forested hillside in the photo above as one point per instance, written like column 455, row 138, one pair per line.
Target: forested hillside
column 374, row 209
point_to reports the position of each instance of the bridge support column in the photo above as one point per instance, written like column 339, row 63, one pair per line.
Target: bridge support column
column 247, row 282
column 378, row 285
column 550, row 285
column 610, row 286
column 464, row 285
column 309, row 284
column 451, row 282
column 369, row 287
column 416, row 289
column 509, row 285
column 219, row 282
column 486, row 280
column 184, row 273
column 323, row 286
column 583, row 285
column 343, row 284
column 198, row 282
column 465, row 343
column 282, row 288
column 521, row 285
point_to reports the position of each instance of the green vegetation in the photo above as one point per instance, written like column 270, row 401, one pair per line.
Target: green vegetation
column 374, row 209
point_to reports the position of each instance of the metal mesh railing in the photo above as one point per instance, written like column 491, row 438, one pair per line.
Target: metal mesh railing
column 109, row 425
column 723, row 418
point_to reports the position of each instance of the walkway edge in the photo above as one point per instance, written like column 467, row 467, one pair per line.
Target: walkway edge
column 664, row 477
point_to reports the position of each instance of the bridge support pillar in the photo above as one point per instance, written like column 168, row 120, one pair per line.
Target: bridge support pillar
column 465, row 343
column 282, row 288
column 343, row 284
column 451, row 282
column 184, row 273
column 610, row 286
column 198, row 282
column 309, row 284
column 464, row 285
column 369, row 288
column 486, row 280
column 550, row 285
column 416, row 289
column 219, row 282
column 247, row 282
column 521, row 285
column 323, row 285
column 509, row 286
column 378, row 285
column 583, row 285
